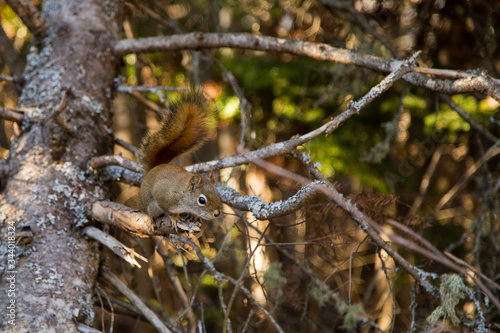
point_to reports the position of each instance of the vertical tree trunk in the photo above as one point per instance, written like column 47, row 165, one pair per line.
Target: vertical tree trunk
column 51, row 281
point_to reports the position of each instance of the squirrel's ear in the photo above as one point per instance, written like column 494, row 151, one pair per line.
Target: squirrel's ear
column 195, row 182
column 211, row 177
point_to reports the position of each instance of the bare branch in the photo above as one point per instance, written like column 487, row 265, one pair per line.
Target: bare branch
column 176, row 283
column 246, row 126
column 220, row 277
column 7, row 78
column 264, row 211
column 289, row 145
column 82, row 328
column 149, row 89
column 492, row 152
column 29, row 15
column 59, row 119
column 118, row 174
column 425, row 182
column 12, row 115
column 130, row 147
column 114, row 245
column 363, row 22
column 319, row 51
column 366, row 223
column 134, row 299
column 104, row 161
column 128, row 219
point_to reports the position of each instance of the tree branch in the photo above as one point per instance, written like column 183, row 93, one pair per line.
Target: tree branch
column 104, row 161
column 114, row 245
column 319, row 51
column 12, row 115
column 126, row 218
column 134, row 299
column 220, row 277
column 366, row 223
column 288, row 146
column 264, row 211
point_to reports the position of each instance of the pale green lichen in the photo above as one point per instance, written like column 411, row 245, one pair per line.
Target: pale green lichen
column 452, row 290
column 275, row 279
column 351, row 314
column 320, row 293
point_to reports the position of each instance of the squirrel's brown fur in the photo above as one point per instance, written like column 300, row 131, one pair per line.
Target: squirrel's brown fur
column 182, row 130
column 168, row 189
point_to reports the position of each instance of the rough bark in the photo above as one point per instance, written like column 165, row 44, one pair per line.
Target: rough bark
column 46, row 182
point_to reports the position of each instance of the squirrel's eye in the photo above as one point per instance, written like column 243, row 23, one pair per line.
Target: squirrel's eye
column 202, row 200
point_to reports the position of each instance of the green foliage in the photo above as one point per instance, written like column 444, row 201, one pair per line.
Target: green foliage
column 448, row 119
column 7, row 14
column 452, row 290
column 274, row 278
column 229, row 108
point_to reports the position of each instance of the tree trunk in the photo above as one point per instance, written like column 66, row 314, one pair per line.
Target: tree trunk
column 50, row 283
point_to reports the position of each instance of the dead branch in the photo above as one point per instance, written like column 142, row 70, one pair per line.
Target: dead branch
column 176, row 284
column 220, row 277
column 59, row 119
column 197, row 40
column 130, row 147
column 425, row 182
column 264, row 211
column 307, row 270
column 12, row 115
column 117, row 174
column 366, row 223
column 148, row 89
column 288, row 146
column 134, row 299
column 128, row 219
column 246, row 125
column 492, row 152
column 104, row 161
column 114, row 245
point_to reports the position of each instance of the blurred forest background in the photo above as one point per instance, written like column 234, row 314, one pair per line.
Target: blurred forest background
column 409, row 160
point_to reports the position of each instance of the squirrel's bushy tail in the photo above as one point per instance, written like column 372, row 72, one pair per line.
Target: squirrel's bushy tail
column 182, row 129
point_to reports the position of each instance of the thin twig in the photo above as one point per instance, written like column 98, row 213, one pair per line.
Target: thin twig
column 219, row 277
column 468, row 118
column 388, row 279
column 492, row 152
column 425, row 182
column 130, row 147
column 104, row 161
column 288, row 146
column 366, row 223
column 134, row 299
column 59, row 119
column 12, row 115
column 114, row 245
column 176, row 284
column 148, row 89
column 246, row 126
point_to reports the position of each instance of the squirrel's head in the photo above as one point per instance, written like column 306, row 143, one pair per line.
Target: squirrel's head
column 207, row 204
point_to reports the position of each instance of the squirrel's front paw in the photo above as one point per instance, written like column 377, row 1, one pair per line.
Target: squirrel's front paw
column 187, row 222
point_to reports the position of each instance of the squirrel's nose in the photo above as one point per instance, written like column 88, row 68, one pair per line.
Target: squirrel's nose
column 217, row 213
